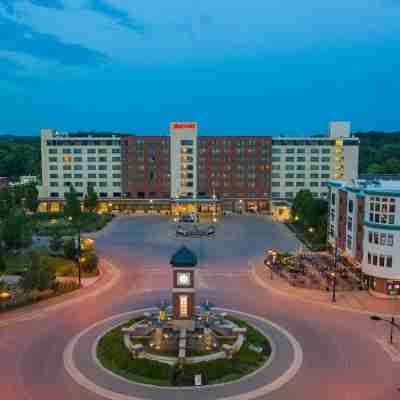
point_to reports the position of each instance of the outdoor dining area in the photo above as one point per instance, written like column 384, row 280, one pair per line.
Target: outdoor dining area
column 313, row 270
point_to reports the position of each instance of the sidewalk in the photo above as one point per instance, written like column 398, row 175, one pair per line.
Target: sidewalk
column 356, row 301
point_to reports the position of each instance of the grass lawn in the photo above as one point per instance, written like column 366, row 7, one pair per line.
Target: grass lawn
column 46, row 224
column 113, row 355
column 63, row 266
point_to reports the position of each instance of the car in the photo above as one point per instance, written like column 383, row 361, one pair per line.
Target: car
column 187, row 219
column 210, row 230
column 180, row 231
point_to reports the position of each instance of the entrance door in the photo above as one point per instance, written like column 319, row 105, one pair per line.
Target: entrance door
column 183, row 306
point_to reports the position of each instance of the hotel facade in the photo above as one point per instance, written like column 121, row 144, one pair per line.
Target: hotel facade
column 186, row 171
column 364, row 225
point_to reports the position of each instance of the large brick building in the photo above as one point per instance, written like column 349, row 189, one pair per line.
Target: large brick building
column 186, row 171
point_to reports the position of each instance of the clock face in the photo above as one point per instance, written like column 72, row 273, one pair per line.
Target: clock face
column 183, row 278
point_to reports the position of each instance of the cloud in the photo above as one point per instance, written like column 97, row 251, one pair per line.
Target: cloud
column 145, row 32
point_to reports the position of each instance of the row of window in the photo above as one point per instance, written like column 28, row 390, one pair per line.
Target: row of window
column 57, row 142
column 301, row 159
column 380, row 260
column 299, row 184
column 291, row 167
column 90, row 167
column 81, row 184
column 90, row 176
column 68, row 159
column 81, row 151
column 381, row 238
column 101, row 194
column 300, row 150
column 291, row 176
column 291, row 194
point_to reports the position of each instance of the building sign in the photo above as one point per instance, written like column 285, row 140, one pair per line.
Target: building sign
column 184, row 125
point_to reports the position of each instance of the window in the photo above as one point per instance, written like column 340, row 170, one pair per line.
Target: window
column 116, row 184
column 325, row 176
column 118, row 167
column 53, row 184
column 289, row 167
column 382, row 210
column 351, row 206
column 276, row 184
column 389, row 261
column 103, row 167
column 102, row 184
column 276, row 167
column 289, row 176
column 326, row 151
column 116, row 194
column 102, row 151
column 314, row 167
column 78, row 167
column 290, row 159
column 314, row 150
column 116, row 151
column 92, row 176
column 77, row 151
column 102, row 194
column 301, row 159
column 53, row 167
column 91, row 167
column 66, row 151
column 276, row 150
column 91, row 151
column 116, row 159
column 54, row 176
column 67, row 176
column 91, row 159
column 301, row 150
column 276, row 159
column 289, row 184
column 314, row 184
column 79, row 184
column 314, row 176
column 53, row 151
column 349, row 242
column 314, row 159
column 325, row 167
column 66, row 167
column 290, row 151
column 186, row 142
column 103, row 176
column 300, row 167
column 53, row 159
column 300, row 184
column 54, row 194
column 302, row 176
column 78, row 176
column 102, row 159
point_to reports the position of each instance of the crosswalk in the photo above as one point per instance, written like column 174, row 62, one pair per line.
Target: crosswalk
column 392, row 351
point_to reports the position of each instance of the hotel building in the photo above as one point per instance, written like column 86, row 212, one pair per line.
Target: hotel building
column 364, row 224
column 186, row 171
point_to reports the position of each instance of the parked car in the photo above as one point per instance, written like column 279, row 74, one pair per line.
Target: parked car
column 187, row 218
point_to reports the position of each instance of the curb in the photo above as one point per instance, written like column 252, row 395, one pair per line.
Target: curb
column 261, row 282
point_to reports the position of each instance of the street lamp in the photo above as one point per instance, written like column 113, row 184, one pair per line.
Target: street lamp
column 78, row 255
column 392, row 323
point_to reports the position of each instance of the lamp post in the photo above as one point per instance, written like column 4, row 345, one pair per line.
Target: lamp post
column 78, row 255
column 391, row 322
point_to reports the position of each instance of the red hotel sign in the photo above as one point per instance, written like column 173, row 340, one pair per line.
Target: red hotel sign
column 184, row 125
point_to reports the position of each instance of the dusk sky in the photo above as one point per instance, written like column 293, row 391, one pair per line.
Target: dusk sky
column 235, row 67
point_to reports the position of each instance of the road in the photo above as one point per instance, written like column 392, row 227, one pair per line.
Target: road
column 342, row 359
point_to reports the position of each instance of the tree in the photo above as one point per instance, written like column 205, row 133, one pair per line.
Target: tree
column 31, row 197
column 375, row 169
column 17, row 231
column 72, row 206
column 3, row 265
column 301, row 204
column 56, row 241
column 90, row 199
column 39, row 276
column 90, row 261
column 6, row 202
column 70, row 250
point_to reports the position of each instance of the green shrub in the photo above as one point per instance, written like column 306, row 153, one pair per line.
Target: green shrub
column 70, row 251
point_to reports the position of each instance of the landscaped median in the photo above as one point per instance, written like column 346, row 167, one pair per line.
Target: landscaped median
column 114, row 355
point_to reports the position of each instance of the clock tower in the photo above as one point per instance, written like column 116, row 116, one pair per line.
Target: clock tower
column 183, row 264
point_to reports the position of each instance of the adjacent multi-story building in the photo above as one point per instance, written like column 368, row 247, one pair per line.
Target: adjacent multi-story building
column 193, row 172
column 310, row 162
column 364, row 224
column 79, row 160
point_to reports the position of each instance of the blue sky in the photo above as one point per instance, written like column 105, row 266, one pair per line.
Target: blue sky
column 235, row 67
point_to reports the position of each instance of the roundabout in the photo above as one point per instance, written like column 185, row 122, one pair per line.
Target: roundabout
column 82, row 364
